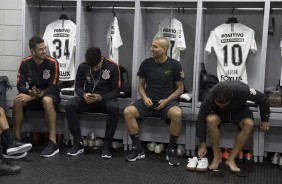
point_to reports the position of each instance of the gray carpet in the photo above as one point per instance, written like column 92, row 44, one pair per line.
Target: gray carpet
column 91, row 168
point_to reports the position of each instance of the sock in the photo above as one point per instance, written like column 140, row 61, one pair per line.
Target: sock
column 136, row 141
column 172, row 142
column 9, row 137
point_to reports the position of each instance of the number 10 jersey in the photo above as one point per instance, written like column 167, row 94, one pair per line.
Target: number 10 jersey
column 231, row 43
column 60, row 38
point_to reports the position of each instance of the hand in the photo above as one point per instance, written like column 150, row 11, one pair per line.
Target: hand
column 36, row 92
column 264, row 126
column 23, row 98
column 148, row 102
column 161, row 104
column 202, row 150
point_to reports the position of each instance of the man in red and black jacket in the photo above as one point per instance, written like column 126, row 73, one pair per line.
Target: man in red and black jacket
column 41, row 72
column 97, row 85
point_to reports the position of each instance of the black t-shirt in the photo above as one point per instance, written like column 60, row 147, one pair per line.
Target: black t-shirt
column 160, row 78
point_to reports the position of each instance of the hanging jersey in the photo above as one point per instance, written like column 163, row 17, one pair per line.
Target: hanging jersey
column 231, row 43
column 59, row 37
column 172, row 29
column 114, row 40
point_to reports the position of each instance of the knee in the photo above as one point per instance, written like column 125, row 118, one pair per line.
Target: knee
column 2, row 112
column 68, row 106
column 113, row 108
column 212, row 121
column 128, row 112
column 47, row 101
column 247, row 125
column 176, row 113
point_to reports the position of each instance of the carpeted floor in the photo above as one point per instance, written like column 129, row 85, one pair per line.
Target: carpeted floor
column 91, row 168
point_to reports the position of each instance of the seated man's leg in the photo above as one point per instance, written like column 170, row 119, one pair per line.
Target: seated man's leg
column 12, row 146
column 247, row 126
column 18, row 116
column 131, row 112
column 74, row 106
column 111, row 125
column 48, row 103
column 213, row 122
column 175, row 115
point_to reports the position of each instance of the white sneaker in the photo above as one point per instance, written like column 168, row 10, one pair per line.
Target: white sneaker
column 151, row 146
column 192, row 163
column 180, row 150
column 202, row 164
column 159, row 148
column 275, row 159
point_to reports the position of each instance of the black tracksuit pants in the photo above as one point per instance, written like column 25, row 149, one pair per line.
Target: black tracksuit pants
column 78, row 105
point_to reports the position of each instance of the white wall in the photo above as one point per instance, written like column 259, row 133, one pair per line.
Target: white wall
column 10, row 43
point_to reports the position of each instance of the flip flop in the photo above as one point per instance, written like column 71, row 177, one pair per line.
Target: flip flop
column 216, row 172
column 241, row 173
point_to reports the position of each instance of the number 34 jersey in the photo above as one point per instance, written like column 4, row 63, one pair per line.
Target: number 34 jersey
column 59, row 37
column 231, row 43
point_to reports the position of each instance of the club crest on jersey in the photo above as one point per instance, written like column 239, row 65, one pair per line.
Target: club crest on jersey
column 182, row 74
column 46, row 74
column 253, row 91
column 106, row 74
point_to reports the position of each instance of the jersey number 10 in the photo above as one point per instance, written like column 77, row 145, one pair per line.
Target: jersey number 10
column 58, row 53
column 235, row 48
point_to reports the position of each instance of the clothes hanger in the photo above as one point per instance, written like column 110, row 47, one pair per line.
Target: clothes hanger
column 232, row 20
column 272, row 26
column 63, row 16
column 171, row 12
column 113, row 10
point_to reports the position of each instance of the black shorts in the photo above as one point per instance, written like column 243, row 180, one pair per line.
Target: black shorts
column 145, row 111
column 38, row 105
column 235, row 117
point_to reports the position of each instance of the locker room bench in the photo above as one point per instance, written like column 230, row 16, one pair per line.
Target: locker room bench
column 228, row 134
column 154, row 129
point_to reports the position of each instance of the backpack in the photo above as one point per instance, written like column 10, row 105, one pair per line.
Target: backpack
column 125, row 90
column 207, row 81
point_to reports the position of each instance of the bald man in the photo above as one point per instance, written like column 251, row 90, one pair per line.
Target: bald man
column 160, row 84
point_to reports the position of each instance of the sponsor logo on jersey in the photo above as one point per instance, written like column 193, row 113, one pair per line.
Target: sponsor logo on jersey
column 253, row 91
column 61, row 35
column 62, row 30
column 65, row 73
column 228, row 78
column 232, row 40
column 63, row 65
column 106, row 74
column 46, row 74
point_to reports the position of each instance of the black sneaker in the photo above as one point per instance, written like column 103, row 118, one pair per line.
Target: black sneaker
column 106, row 151
column 76, row 149
column 136, row 154
column 18, row 147
column 50, row 150
column 16, row 156
column 7, row 168
column 172, row 158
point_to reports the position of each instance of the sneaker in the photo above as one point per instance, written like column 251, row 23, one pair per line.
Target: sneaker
column 159, row 148
column 117, row 145
column 192, row 163
column 91, row 136
column 106, row 151
column 172, row 158
column 249, row 158
column 7, row 168
column 16, row 156
column 76, row 149
column 136, row 154
column 18, row 147
column 151, row 146
column 180, row 150
column 202, row 165
column 275, row 159
column 98, row 144
column 50, row 150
